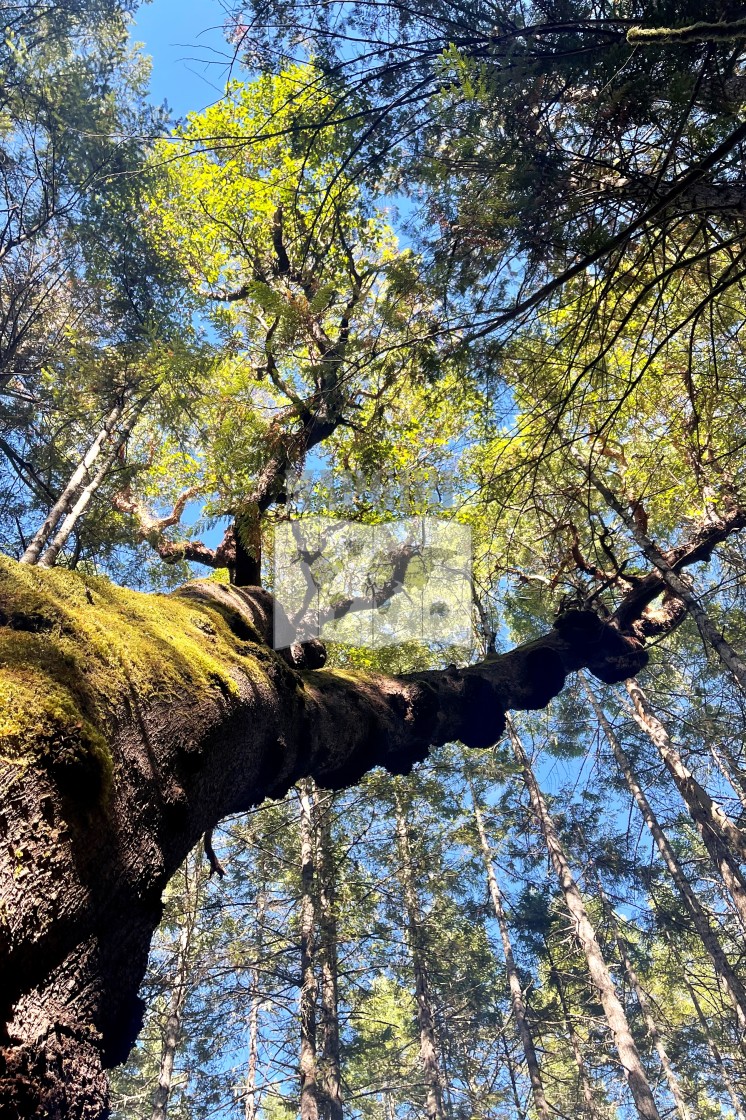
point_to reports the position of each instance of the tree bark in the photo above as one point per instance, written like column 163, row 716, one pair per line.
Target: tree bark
column 135, row 723
column 514, row 982
column 701, row 922
column 330, row 1076
column 77, row 479
column 434, row 1109
column 251, row 1097
column 179, row 991
column 724, row 841
column 585, row 933
column 309, row 1089
column 61, row 536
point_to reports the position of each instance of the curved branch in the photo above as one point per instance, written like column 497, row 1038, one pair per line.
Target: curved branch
column 152, row 529
column 701, row 32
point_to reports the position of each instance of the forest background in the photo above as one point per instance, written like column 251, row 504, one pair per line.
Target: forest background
column 487, row 263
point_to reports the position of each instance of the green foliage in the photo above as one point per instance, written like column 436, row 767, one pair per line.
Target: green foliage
column 247, row 284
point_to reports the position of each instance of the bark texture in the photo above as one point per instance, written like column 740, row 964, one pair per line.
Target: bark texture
column 517, row 1001
column 78, row 479
column 308, row 1073
column 586, row 936
column 429, row 1058
column 330, row 1075
column 251, row 1093
column 130, row 725
column 724, row 840
column 700, row 919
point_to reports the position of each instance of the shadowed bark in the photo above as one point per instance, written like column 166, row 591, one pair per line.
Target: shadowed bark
column 136, row 750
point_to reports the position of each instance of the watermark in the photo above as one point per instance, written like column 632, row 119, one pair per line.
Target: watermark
column 406, row 579
column 413, row 492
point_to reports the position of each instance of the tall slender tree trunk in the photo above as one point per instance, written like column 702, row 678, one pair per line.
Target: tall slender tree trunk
column 599, row 973
column 589, row 1099
column 515, row 989
column 330, row 1077
column 251, row 1102
column 309, row 1089
column 60, row 538
column 724, row 841
column 179, row 989
column 428, row 1044
column 644, row 1003
column 701, row 922
column 717, row 1057
column 76, row 481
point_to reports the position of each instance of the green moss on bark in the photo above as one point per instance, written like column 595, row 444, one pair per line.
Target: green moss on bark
column 73, row 648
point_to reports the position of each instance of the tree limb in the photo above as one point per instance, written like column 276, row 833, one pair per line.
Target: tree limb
column 700, row 32
column 202, row 721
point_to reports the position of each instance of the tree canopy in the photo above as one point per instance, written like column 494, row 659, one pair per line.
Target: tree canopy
column 439, row 311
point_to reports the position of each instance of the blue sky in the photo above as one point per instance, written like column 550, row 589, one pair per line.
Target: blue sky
column 191, row 62
column 191, row 59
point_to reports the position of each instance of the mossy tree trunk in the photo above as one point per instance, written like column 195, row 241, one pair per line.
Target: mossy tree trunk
column 132, row 723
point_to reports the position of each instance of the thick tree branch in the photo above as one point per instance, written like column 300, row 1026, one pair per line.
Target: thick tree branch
column 176, row 713
column 669, row 572
column 153, row 530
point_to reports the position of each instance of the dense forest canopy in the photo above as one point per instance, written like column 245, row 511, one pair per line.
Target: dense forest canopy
column 419, row 275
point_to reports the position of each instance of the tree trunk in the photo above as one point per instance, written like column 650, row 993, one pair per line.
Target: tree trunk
column 180, row 988
column 425, row 1017
column 644, row 1003
column 309, row 1091
column 132, row 724
column 701, row 922
column 251, row 1100
column 738, row 1111
column 60, row 538
column 330, row 1078
column 77, row 479
column 599, row 973
column 514, row 983
column 724, row 841
column 589, row 1099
